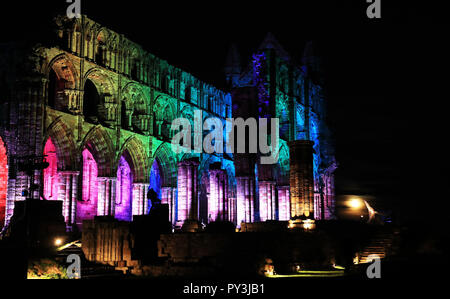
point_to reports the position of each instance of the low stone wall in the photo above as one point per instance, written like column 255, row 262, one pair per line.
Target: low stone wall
column 107, row 241
column 129, row 246
column 268, row 226
column 246, row 252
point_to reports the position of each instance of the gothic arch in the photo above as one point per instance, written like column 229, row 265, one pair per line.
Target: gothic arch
column 64, row 69
column 76, row 36
column 204, row 169
column 64, row 142
column 61, row 76
column 229, row 168
column 102, row 46
column 133, row 91
column 162, row 104
column 136, row 104
column 164, row 113
column 101, row 80
column 99, row 96
column 281, row 169
column 167, row 163
column 100, row 145
column 136, row 151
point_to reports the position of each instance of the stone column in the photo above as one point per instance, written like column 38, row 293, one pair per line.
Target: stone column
column 284, row 211
column 245, row 199
column 106, row 196
column 67, row 193
column 301, row 178
column 167, row 197
column 187, row 190
column 267, row 200
column 139, row 200
column 129, row 114
column 218, row 201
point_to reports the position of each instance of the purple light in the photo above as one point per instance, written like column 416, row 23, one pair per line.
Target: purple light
column 124, row 187
column 87, row 209
column 50, row 173
column 3, row 181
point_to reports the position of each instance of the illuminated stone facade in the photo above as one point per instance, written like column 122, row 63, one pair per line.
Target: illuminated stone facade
column 100, row 108
column 271, row 86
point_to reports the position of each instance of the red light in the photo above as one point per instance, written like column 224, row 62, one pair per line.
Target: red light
column 3, row 181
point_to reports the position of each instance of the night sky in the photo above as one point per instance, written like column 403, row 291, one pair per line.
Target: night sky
column 383, row 77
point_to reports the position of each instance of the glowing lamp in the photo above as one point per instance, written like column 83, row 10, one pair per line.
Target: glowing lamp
column 355, row 203
column 58, row 242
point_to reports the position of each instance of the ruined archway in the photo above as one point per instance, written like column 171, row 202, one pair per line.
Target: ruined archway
column 64, row 143
column 100, row 145
column 135, row 105
column 156, row 178
column 91, row 101
column 61, row 77
column 164, row 113
column 98, row 101
column 96, row 178
column 167, row 165
column 132, row 180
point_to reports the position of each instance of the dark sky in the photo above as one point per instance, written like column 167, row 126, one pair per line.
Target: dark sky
column 382, row 76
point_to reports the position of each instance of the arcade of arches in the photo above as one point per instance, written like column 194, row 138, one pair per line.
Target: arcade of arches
column 101, row 112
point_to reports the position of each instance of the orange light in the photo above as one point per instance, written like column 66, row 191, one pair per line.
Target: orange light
column 58, row 242
column 355, row 203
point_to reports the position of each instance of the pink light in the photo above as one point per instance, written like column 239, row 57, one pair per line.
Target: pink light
column 218, row 202
column 88, row 208
column 283, row 204
column 3, row 181
column 267, row 201
column 245, row 200
column 187, row 191
column 51, row 173
column 167, row 197
column 124, row 191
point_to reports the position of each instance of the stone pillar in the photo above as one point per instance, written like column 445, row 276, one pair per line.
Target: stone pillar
column 301, row 178
column 159, row 124
column 267, row 200
column 284, row 211
column 106, row 196
column 129, row 114
column 139, row 199
column 218, row 209
column 111, row 108
column 232, row 209
column 168, row 198
column 245, row 199
column 68, row 193
column 187, row 190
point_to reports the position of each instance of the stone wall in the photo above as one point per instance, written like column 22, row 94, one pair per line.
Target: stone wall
column 244, row 252
column 107, row 241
